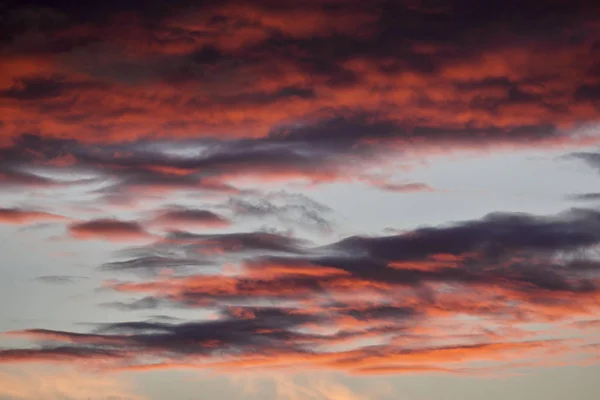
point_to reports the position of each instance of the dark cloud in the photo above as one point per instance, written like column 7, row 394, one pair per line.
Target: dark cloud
column 448, row 65
column 252, row 98
column 337, row 149
column 266, row 326
column 52, row 15
column 155, row 263
column 56, row 354
column 182, row 218
column 41, row 88
column 147, row 303
column 207, row 54
column 588, row 92
column 19, row 159
column 514, row 251
column 241, row 242
column 188, row 252
column 108, row 229
column 30, row 147
column 590, row 158
column 34, row 89
column 511, row 248
column 283, row 206
column 14, row 179
column 495, row 235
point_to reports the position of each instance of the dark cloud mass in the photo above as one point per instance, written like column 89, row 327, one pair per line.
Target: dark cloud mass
column 244, row 68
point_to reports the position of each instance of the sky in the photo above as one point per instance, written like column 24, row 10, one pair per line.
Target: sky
column 299, row 200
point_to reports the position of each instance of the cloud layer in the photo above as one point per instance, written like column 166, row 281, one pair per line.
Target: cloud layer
column 242, row 68
column 361, row 305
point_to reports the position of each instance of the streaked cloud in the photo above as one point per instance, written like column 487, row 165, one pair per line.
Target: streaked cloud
column 395, row 293
column 108, row 229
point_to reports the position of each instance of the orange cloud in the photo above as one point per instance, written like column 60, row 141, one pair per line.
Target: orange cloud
column 61, row 355
column 62, row 383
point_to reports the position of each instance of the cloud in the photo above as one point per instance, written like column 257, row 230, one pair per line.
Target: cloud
column 59, row 279
column 242, row 69
column 588, row 92
column 146, row 303
column 492, row 236
column 40, row 88
column 19, row 216
column 590, row 158
column 361, row 305
column 285, row 207
column 108, row 229
column 18, row 179
column 62, row 383
column 187, row 218
column 203, row 251
column 289, row 388
column 154, row 263
column 584, row 196
column 406, row 187
column 238, row 242
column 346, row 148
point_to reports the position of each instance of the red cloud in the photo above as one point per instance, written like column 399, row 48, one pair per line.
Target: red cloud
column 108, row 229
column 245, row 82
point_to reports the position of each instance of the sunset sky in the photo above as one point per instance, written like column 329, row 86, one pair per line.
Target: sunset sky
column 300, row 200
